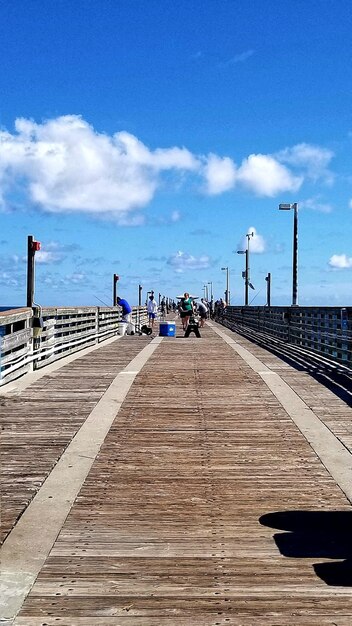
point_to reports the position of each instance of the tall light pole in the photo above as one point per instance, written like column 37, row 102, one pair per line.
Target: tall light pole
column 226, row 269
column 247, row 282
column 205, row 287
column 288, row 207
column 268, row 289
column 211, row 290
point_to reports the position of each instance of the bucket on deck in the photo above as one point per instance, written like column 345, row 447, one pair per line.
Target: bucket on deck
column 122, row 328
column 131, row 329
column 167, row 329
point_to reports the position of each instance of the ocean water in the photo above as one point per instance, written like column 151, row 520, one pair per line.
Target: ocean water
column 8, row 308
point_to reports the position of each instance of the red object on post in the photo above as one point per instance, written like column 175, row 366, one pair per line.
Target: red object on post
column 116, row 277
column 35, row 246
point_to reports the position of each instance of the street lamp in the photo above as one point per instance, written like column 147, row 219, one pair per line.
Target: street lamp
column 205, row 287
column 211, row 290
column 288, row 207
column 227, row 299
column 246, row 274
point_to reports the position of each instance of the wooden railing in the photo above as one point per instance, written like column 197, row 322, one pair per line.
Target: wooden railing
column 30, row 340
column 326, row 331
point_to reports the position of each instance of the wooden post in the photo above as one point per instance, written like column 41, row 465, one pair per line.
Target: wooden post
column 30, row 271
column 114, row 289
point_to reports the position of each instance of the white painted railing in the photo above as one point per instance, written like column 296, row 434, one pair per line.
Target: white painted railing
column 326, row 331
column 29, row 341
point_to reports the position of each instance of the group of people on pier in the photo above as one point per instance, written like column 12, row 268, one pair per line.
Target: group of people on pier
column 188, row 308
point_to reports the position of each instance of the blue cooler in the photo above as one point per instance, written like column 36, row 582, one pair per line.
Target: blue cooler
column 167, row 329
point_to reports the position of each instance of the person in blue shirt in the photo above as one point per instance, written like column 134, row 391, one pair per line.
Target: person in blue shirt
column 126, row 309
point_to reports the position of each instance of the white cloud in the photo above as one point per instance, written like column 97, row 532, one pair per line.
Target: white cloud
column 313, row 159
column 220, row 174
column 266, row 176
column 238, row 58
column 68, row 166
column 257, row 243
column 340, row 261
column 182, row 261
column 53, row 252
column 63, row 165
column 315, row 204
column 175, row 216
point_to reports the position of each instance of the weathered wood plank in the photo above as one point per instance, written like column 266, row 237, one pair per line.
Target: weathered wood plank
column 168, row 528
column 10, row 342
column 38, row 425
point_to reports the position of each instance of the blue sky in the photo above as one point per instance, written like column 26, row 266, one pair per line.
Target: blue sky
column 146, row 138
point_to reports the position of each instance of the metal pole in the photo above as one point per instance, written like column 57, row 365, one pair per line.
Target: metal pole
column 247, row 277
column 227, row 287
column 295, row 254
column 268, row 289
column 114, row 289
column 140, row 289
column 30, row 271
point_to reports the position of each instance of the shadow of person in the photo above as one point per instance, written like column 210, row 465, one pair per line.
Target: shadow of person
column 316, row 534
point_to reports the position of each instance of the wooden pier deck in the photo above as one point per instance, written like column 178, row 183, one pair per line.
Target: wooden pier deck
column 221, row 493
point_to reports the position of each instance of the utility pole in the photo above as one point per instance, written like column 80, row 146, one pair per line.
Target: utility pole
column 140, row 289
column 295, row 254
column 268, row 289
column 227, row 292
column 246, row 278
column 287, row 207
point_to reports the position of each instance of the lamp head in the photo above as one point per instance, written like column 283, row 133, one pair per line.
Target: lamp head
column 284, row 207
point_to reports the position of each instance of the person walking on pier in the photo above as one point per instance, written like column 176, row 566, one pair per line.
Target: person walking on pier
column 126, row 309
column 152, row 309
column 186, row 310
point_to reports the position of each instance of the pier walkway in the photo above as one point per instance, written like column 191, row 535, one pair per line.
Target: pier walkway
column 175, row 482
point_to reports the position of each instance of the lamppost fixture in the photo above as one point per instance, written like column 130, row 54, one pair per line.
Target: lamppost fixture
column 227, row 297
column 211, row 290
column 268, row 289
column 246, row 274
column 288, row 207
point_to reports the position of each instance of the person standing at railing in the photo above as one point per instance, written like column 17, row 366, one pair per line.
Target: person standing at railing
column 152, row 309
column 203, row 312
column 126, row 310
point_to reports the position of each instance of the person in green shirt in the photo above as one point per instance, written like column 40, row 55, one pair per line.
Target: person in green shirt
column 186, row 310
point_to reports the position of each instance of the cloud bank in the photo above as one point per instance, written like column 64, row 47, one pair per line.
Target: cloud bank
column 64, row 165
column 183, row 261
column 257, row 243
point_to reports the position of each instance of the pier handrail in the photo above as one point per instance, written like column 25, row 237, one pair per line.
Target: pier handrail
column 326, row 331
column 31, row 339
